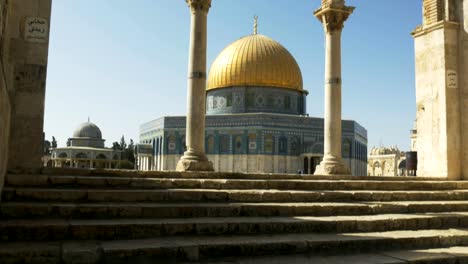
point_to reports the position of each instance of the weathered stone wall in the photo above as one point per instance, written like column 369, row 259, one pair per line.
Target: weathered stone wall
column 24, row 37
column 4, row 128
column 463, row 81
column 26, row 50
column 5, row 106
column 439, row 92
column 437, row 102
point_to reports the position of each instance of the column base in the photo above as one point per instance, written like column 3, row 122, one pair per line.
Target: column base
column 332, row 167
column 192, row 161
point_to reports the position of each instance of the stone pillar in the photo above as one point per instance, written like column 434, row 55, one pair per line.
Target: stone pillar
column 332, row 14
column 194, row 159
column 441, row 56
column 26, row 48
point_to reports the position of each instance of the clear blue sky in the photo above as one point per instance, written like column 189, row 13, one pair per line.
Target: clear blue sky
column 123, row 62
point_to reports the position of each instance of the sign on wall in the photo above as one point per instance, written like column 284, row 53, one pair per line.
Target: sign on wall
column 452, row 79
column 36, row 29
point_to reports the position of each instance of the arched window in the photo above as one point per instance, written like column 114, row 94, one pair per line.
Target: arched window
column 283, row 145
column 252, row 143
column 101, row 157
column 295, row 146
column 63, row 155
column 210, row 145
column 81, row 156
column 224, row 144
column 171, row 144
column 238, row 145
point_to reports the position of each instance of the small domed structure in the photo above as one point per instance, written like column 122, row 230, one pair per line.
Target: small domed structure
column 87, row 135
column 86, row 150
column 87, row 130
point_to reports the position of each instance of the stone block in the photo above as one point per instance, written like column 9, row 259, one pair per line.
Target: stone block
column 62, row 180
column 247, row 196
column 29, row 253
column 27, row 180
column 91, row 181
column 81, row 253
column 126, row 211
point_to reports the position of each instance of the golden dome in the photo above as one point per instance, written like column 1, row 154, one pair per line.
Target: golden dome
column 255, row 60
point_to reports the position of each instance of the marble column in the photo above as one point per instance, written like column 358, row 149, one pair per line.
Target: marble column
column 194, row 159
column 332, row 14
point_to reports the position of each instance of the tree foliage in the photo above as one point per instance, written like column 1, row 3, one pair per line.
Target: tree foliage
column 128, row 157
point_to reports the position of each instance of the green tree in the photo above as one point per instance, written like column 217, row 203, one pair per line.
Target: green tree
column 46, row 150
column 116, row 146
column 123, row 144
column 130, row 152
column 54, row 142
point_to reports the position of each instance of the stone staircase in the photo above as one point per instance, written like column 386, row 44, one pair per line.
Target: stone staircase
column 75, row 216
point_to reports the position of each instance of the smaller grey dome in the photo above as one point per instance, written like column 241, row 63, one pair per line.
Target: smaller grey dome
column 87, row 130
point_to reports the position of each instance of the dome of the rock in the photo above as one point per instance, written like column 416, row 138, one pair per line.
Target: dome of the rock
column 255, row 60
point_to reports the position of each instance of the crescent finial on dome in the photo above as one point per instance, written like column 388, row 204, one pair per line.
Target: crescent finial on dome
column 255, row 25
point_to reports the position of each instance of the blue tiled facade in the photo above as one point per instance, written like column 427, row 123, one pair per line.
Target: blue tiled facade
column 233, row 100
column 256, row 134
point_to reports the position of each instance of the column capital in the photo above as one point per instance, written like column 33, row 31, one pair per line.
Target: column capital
column 202, row 5
column 333, row 15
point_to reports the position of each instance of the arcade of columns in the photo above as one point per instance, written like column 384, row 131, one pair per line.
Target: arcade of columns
column 441, row 90
column 332, row 14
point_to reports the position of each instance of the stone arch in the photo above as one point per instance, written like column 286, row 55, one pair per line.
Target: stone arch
column 402, row 168
column 402, row 164
column 376, row 169
column 81, row 155
column 63, row 155
column 101, row 156
column 383, row 166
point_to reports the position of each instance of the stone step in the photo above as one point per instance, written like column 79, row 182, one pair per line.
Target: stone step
column 450, row 255
column 211, row 195
column 184, row 210
column 199, row 248
column 74, row 229
column 220, row 175
column 175, row 183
